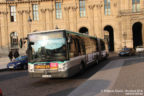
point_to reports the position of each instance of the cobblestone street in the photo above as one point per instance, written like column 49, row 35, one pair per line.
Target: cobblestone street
column 130, row 79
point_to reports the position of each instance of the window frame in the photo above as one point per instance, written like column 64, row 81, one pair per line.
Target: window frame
column 35, row 12
column 107, row 7
column 82, row 8
column 58, row 7
column 135, row 5
column 13, row 13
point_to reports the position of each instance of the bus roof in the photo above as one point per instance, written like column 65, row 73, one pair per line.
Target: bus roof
column 67, row 31
column 45, row 31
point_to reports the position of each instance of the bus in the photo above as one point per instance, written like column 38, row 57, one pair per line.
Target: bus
column 61, row 53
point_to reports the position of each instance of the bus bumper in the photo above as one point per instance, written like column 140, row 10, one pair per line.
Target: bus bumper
column 64, row 74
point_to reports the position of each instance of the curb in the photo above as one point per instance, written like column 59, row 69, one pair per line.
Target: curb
column 4, row 69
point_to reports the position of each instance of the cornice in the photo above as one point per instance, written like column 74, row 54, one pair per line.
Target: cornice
column 43, row 10
column 4, row 13
column 26, row 11
column 74, row 8
column 91, row 6
column 21, row 1
column 50, row 9
column 66, row 8
column 20, row 11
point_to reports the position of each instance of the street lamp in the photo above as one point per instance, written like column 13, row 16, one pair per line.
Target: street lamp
column 29, row 19
column 125, row 37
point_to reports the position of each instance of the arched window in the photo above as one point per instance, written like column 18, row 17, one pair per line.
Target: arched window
column 83, row 30
column 14, row 40
column 135, row 5
column 137, row 34
column 110, row 37
column 107, row 7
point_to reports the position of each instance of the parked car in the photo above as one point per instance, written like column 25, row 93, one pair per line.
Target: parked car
column 127, row 52
column 139, row 49
column 1, row 92
column 18, row 63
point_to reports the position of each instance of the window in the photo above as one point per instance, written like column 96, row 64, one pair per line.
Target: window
column 35, row 12
column 58, row 10
column 82, row 8
column 13, row 13
column 107, row 7
column 14, row 40
column 135, row 5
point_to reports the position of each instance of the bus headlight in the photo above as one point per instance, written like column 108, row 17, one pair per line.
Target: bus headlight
column 30, row 67
column 62, row 67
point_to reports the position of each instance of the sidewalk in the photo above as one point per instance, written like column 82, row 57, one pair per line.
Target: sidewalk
column 3, row 62
column 119, row 78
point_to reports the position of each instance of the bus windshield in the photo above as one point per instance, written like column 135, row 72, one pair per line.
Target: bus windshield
column 50, row 46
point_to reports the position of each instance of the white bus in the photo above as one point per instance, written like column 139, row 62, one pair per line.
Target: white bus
column 61, row 53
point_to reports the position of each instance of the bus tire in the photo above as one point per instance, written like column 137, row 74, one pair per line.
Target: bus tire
column 97, row 61
column 82, row 67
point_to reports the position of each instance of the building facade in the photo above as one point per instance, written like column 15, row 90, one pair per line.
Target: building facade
column 120, row 22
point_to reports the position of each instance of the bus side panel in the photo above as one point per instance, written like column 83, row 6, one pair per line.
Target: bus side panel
column 74, row 64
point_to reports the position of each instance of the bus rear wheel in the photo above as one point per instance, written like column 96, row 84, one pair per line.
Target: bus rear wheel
column 82, row 68
column 97, row 61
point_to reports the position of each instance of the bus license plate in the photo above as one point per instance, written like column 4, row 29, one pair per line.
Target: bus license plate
column 46, row 76
column 42, row 67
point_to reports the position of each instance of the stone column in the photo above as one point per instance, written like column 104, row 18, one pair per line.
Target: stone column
column 20, row 23
column 118, row 36
column 43, row 11
column 141, row 4
column 129, row 33
column 130, row 4
column 67, row 21
column 0, row 32
column 74, row 10
column 99, row 26
column 50, row 10
column 91, row 20
column 124, row 31
column 4, row 30
column 27, row 24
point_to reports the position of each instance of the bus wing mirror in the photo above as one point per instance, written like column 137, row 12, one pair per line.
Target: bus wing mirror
column 22, row 42
column 31, row 43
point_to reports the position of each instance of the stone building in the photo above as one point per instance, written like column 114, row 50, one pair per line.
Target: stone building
column 120, row 22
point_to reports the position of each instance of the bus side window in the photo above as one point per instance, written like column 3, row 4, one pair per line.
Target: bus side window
column 102, row 45
column 73, row 49
column 82, row 47
column 97, row 48
column 78, row 47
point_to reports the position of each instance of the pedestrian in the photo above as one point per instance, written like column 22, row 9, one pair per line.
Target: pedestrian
column 16, row 54
column 10, row 55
